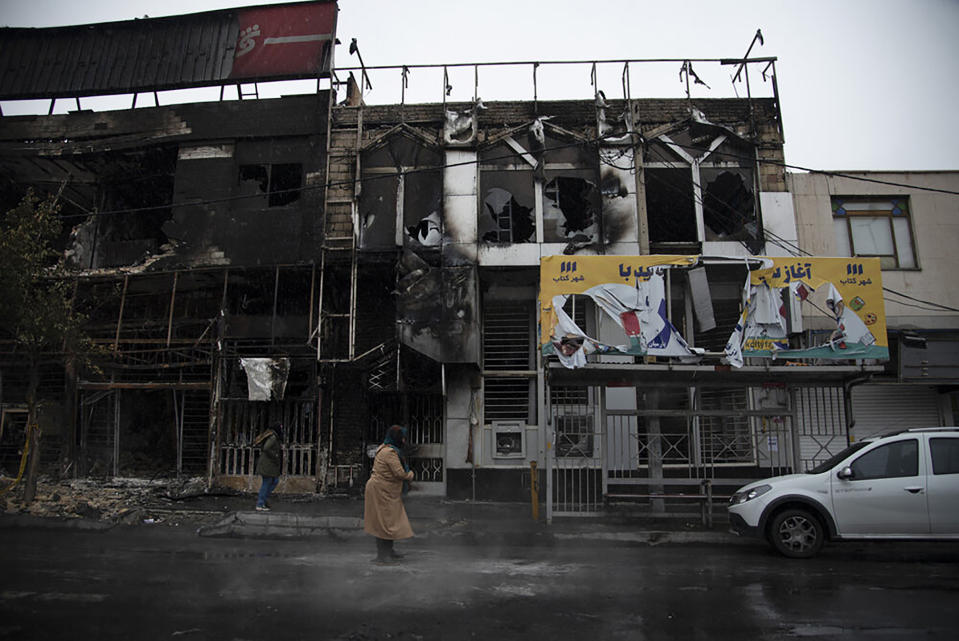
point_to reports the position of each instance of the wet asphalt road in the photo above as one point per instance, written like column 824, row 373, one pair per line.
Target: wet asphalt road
column 166, row 583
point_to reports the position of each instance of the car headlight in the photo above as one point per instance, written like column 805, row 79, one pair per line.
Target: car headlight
column 749, row 495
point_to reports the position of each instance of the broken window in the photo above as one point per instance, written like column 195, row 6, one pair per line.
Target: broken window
column 508, row 207
column 704, row 181
column 507, row 195
column 401, row 196
column 729, row 211
column 251, row 292
column 280, row 182
column 571, row 206
column 670, row 208
column 133, row 193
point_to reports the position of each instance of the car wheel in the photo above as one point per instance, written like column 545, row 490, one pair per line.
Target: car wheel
column 797, row 533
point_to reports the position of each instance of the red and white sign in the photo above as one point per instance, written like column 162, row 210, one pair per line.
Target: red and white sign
column 286, row 40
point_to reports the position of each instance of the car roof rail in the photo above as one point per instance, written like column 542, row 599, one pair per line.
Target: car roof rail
column 911, row 430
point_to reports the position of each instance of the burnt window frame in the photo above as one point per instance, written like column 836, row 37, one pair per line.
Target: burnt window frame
column 275, row 197
column 375, row 173
column 523, row 164
column 710, row 160
column 561, row 157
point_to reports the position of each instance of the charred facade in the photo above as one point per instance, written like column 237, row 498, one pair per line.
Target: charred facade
column 340, row 267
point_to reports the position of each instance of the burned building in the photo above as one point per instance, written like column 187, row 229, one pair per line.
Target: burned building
column 341, row 266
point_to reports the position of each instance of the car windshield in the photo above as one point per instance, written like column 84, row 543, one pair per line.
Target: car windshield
column 831, row 461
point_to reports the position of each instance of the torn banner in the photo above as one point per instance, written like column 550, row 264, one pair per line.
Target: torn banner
column 860, row 331
column 630, row 291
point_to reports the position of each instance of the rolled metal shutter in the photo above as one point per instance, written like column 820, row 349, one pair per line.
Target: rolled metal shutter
column 878, row 409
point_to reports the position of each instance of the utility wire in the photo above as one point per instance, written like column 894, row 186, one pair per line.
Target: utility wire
column 584, row 143
column 838, row 174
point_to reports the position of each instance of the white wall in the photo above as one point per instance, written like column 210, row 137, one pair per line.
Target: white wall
column 935, row 226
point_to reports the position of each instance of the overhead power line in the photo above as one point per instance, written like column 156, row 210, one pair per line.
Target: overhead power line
column 787, row 245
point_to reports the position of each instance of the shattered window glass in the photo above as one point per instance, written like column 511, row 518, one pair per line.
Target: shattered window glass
column 729, row 211
column 401, row 185
column 378, row 211
column 422, row 208
column 507, row 213
column 571, row 206
column 281, row 181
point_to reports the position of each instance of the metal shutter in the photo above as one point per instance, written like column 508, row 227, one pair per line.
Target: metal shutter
column 878, row 409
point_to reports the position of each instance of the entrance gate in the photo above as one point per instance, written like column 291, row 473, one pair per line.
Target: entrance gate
column 658, row 445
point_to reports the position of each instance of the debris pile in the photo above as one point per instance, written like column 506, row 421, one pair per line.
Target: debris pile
column 119, row 500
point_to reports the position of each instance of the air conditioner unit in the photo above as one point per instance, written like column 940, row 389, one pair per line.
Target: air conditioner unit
column 509, row 439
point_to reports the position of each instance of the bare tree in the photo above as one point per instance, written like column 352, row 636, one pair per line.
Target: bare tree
column 37, row 318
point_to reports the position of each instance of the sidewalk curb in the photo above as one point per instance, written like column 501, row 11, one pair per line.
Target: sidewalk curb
column 464, row 533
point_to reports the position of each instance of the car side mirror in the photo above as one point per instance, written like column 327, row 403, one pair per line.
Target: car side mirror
column 845, row 473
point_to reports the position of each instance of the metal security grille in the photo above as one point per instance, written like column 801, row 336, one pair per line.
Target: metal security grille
column 507, row 332
column 427, row 470
column 193, row 425
column 726, row 439
column 508, row 399
column 508, row 348
column 674, row 433
column 822, row 424
column 664, row 448
column 575, row 481
column 426, row 418
column 242, row 421
column 421, row 414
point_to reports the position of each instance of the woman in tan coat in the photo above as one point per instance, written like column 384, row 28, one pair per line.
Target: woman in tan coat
column 383, row 513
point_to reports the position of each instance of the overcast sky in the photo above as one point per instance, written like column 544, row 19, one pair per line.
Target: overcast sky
column 864, row 84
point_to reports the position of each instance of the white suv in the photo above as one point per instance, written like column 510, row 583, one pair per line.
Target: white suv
column 898, row 486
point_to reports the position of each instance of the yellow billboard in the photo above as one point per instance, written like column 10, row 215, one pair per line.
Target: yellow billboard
column 630, row 289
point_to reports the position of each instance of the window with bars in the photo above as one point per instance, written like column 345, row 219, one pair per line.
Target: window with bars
column 875, row 226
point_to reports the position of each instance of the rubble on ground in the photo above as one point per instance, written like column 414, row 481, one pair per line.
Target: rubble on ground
column 120, row 500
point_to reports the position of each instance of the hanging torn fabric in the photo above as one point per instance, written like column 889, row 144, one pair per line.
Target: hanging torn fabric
column 265, row 377
column 639, row 309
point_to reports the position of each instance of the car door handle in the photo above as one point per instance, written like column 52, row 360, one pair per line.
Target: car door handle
column 913, row 490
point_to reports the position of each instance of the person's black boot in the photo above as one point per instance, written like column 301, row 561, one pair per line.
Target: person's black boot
column 383, row 549
column 393, row 553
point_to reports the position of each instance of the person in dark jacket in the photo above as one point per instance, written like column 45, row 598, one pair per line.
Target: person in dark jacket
column 268, row 465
